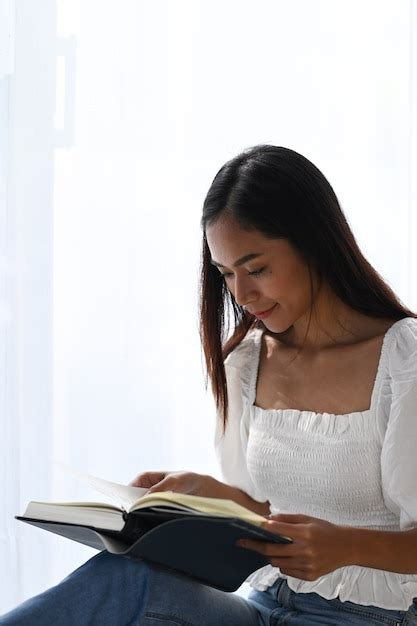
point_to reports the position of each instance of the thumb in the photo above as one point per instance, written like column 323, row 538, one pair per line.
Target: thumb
column 161, row 486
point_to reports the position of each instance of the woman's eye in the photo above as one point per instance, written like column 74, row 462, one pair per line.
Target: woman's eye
column 255, row 273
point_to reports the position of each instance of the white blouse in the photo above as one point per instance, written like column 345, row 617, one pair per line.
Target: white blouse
column 357, row 469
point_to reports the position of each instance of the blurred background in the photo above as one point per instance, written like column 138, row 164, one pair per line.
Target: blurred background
column 114, row 119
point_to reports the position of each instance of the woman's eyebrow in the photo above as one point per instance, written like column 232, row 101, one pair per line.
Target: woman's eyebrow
column 241, row 261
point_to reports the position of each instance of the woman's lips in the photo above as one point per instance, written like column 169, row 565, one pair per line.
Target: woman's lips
column 263, row 314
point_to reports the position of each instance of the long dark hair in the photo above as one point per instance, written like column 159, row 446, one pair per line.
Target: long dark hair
column 281, row 194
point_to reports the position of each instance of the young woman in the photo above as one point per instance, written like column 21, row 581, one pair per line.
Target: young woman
column 316, row 390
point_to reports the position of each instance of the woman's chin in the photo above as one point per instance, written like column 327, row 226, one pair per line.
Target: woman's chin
column 276, row 326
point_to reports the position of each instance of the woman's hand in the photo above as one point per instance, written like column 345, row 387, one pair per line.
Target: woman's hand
column 180, row 482
column 319, row 546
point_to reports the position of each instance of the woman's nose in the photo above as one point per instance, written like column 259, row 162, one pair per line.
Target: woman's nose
column 243, row 292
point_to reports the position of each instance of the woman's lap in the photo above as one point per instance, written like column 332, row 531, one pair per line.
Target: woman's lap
column 109, row 589
column 114, row 590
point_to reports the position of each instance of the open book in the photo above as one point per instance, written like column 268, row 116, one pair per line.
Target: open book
column 193, row 535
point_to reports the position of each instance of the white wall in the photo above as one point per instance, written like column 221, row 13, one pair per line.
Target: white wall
column 111, row 132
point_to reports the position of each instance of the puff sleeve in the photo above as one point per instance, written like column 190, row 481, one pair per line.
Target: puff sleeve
column 399, row 450
column 231, row 447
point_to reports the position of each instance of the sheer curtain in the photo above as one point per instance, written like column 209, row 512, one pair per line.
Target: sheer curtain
column 114, row 120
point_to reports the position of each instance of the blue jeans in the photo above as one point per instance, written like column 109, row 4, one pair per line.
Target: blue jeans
column 110, row 590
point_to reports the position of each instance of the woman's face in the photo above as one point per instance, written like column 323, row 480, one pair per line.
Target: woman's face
column 278, row 277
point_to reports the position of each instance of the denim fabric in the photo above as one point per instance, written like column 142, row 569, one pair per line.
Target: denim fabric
column 109, row 590
column 310, row 609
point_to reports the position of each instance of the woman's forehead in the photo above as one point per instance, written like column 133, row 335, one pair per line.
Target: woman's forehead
column 232, row 247
column 227, row 229
column 226, row 239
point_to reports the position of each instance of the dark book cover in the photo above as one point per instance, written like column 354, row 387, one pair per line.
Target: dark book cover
column 198, row 546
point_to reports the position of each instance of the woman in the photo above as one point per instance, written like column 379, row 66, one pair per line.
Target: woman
column 316, row 392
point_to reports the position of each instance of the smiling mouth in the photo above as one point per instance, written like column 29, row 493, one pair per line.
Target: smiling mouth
column 262, row 312
column 265, row 314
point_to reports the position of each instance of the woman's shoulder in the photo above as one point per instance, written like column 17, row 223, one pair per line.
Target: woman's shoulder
column 402, row 351
column 245, row 350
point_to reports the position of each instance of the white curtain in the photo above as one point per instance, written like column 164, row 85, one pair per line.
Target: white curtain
column 113, row 122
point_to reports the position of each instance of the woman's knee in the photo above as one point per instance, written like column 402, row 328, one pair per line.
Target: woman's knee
column 106, row 564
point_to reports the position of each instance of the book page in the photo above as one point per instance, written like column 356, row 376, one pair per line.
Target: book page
column 133, row 498
column 209, row 506
column 123, row 496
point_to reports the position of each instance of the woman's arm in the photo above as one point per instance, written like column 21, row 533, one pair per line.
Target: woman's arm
column 218, row 489
column 393, row 551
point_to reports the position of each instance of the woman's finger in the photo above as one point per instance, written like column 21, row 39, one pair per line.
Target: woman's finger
column 269, row 548
column 148, row 479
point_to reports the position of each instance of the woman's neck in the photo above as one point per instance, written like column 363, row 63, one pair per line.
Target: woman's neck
column 332, row 323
